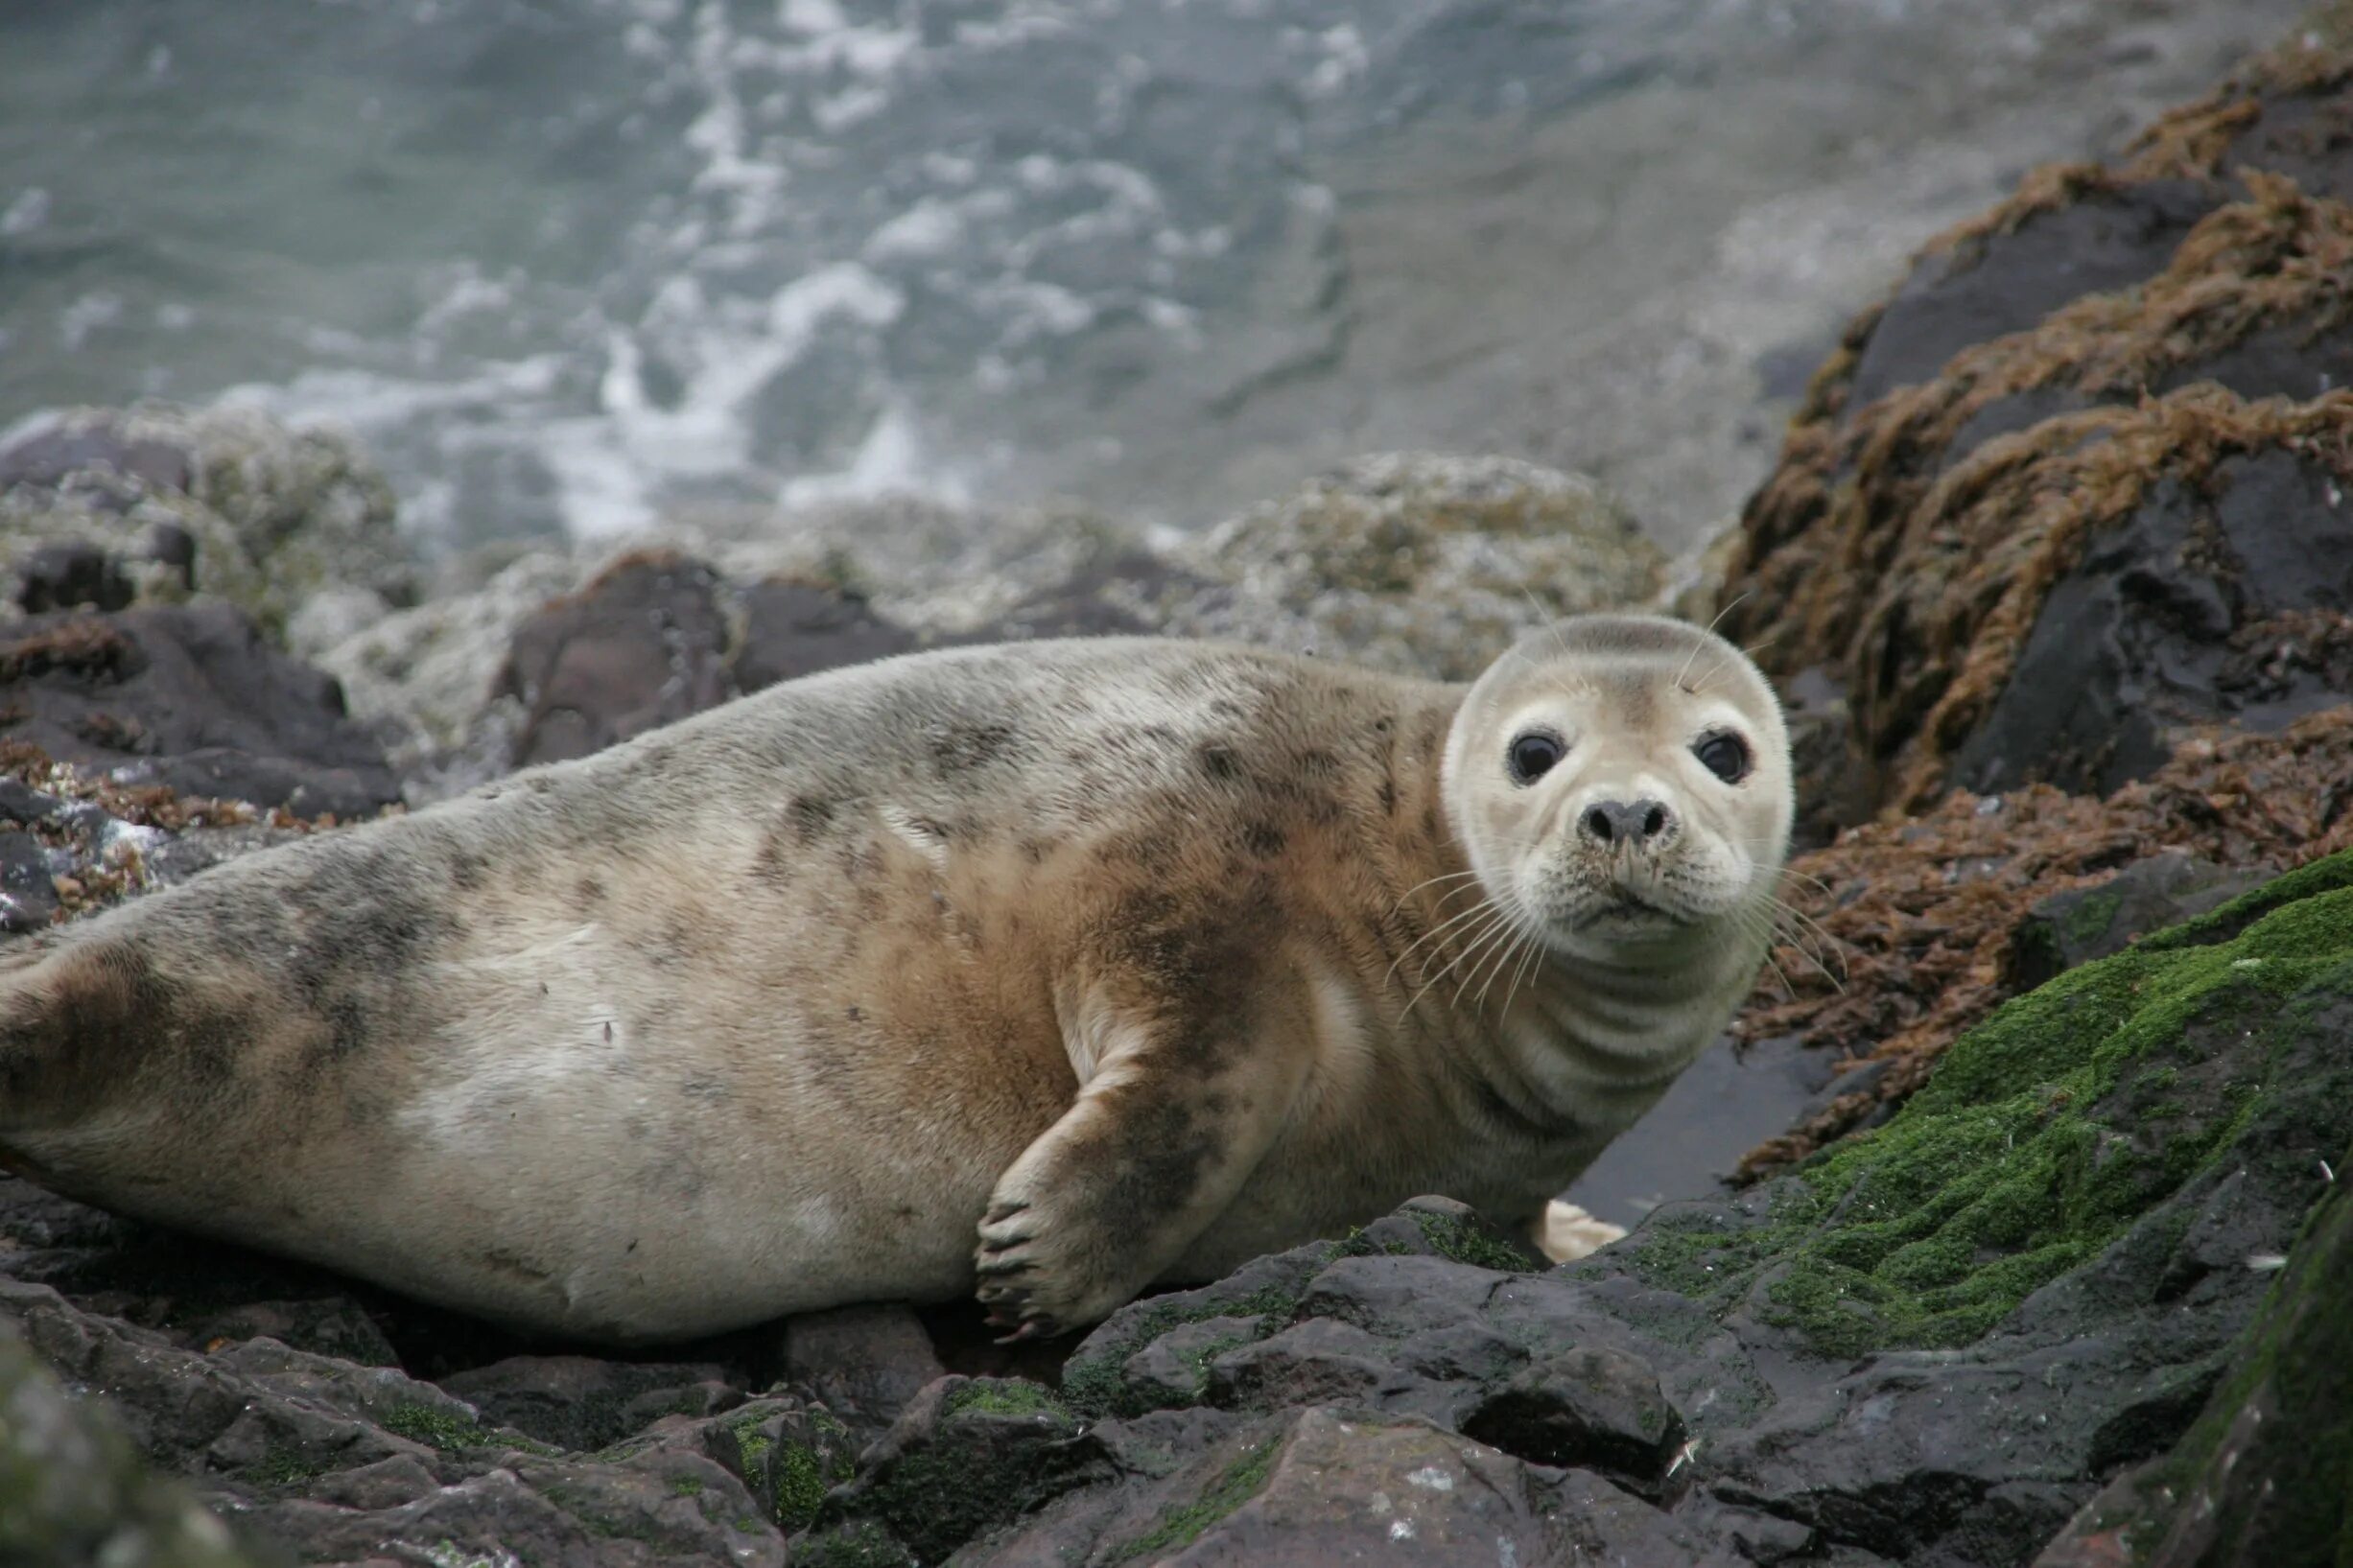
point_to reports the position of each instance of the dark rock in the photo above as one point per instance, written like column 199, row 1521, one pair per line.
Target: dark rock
column 2010, row 279
column 580, row 1403
column 866, row 1363
column 793, row 629
column 169, row 544
column 330, row 1325
column 190, row 697
column 2174, row 618
column 1596, row 1410
column 643, row 644
column 2088, row 923
column 1113, row 597
column 71, row 575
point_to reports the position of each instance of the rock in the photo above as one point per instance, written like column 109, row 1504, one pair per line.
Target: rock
column 106, row 508
column 866, row 1363
column 73, row 1490
column 970, row 1454
column 2261, row 1477
column 193, row 698
column 423, row 677
column 2088, row 923
column 2077, row 487
column 642, row 644
column 792, row 628
column 1420, row 564
column 1596, row 1409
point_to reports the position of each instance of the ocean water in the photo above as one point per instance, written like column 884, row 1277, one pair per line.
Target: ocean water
column 568, row 264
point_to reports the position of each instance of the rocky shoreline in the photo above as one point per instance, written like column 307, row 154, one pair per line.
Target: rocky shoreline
column 2057, row 572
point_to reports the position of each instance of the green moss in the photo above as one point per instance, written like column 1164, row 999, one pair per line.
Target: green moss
column 751, row 1444
column 1461, row 1241
column 861, row 1545
column 686, row 1485
column 2033, row 1146
column 1179, row 1527
column 800, row 1482
column 439, row 1429
column 1004, row 1396
column 286, row 1467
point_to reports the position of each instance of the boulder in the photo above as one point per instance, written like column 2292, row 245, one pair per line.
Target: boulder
column 2078, row 486
column 643, row 644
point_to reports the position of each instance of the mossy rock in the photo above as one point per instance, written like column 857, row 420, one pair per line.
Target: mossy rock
column 2050, row 1130
column 2266, row 1474
column 970, row 1455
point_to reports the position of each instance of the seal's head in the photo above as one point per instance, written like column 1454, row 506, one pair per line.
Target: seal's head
column 1622, row 782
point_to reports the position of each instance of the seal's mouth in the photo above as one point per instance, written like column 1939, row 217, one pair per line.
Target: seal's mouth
column 1621, row 908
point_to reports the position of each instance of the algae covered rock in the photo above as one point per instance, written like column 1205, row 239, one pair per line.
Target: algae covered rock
column 157, row 504
column 2079, row 485
column 1418, row 563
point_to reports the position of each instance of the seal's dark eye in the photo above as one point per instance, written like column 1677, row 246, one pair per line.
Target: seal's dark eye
column 1533, row 755
column 1724, row 755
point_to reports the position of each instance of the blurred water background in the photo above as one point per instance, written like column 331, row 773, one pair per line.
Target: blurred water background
column 567, row 264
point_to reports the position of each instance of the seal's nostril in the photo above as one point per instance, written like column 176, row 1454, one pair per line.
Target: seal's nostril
column 1597, row 823
column 1654, row 822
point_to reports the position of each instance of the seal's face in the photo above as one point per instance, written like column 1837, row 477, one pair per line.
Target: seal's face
column 1622, row 783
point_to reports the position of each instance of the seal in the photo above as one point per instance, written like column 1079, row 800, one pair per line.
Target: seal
column 1049, row 970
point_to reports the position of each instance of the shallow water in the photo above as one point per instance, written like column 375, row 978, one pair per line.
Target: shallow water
column 570, row 263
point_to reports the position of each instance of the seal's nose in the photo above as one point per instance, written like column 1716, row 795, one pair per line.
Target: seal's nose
column 1639, row 823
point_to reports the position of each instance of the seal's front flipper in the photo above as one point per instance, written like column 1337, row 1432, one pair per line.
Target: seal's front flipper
column 1174, row 1115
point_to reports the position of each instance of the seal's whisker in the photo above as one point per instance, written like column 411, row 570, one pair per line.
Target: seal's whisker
column 1696, row 646
column 1460, row 955
column 1478, row 908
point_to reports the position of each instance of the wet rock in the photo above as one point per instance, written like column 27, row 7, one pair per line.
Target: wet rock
column 866, row 1363
column 331, row 1325
column 70, row 576
column 193, row 698
column 642, row 644
column 106, row 508
column 1597, row 1410
column 424, row 677
column 2014, row 567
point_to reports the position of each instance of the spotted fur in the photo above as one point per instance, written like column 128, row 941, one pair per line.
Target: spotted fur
column 1047, row 971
